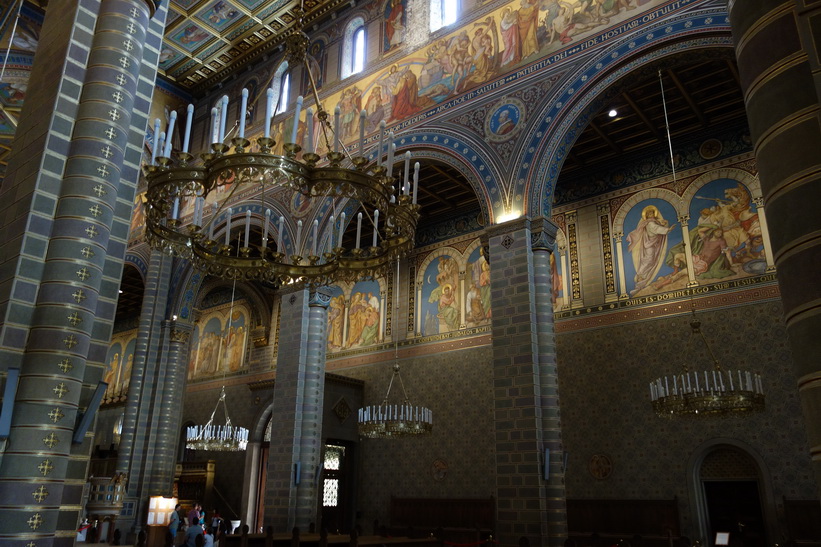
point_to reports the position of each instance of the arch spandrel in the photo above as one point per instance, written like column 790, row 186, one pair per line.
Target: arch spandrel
column 552, row 136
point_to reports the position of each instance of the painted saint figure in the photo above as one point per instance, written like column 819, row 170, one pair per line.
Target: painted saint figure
column 648, row 245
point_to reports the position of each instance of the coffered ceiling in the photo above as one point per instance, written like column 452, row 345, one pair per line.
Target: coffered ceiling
column 207, row 40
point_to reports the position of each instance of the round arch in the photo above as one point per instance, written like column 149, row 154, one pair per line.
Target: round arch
column 698, row 505
column 567, row 112
column 461, row 153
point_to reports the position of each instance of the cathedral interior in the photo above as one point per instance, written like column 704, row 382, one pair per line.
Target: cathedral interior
column 588, row 314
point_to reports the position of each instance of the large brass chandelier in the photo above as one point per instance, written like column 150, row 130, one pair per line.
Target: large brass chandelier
column 399, row 419
column 316, row 257
column 215, row 437
column 706, row 392
column 703, row 392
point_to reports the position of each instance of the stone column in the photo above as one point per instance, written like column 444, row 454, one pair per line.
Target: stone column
column 543, row 243
column 780, row 67
column 42, row 473
column 174, row 364
column 617, row 237
column 145, row 391
column 295, row 452
column 765, row 233
column 522, row 344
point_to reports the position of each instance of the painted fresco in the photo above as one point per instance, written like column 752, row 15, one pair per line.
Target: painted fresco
column 169, row 57
column 650, row 235
column 317, row 59
column 726, row 239
column 440, row 296
column 218, row 344
column 219, row 15
column 512, row 35
column 364, row 319
column 137, row 218
column 477, row 300
column 395, row 26
column 119, row 362
column 336, row 320
column 190, row 37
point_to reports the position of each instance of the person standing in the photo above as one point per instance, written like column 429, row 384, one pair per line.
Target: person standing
column 194, row 516
column 174, row 523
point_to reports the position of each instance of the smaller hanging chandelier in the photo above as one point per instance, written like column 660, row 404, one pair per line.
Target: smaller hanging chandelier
column 387, row 420
column 708, row 392
column 217, row 438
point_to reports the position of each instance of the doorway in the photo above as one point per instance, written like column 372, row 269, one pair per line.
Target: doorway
column 337, row 491
column 734, row 507
column 732, row 498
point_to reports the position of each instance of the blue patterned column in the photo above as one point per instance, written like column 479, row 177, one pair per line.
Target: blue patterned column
column 522, row 505
column 41, row 479
column 296, row 448
column 543, row 243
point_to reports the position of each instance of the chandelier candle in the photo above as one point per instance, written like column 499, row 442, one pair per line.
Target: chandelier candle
column 188, row 119
column 296, row 119
column 171, row 122
column 241, row 114
column 268, row 111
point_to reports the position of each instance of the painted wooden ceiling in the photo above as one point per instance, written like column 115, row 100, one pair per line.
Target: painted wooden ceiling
column 208, row 40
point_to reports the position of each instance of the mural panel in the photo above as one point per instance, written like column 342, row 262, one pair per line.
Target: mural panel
column 364, row 324
column 726, row 240
column 650, row 237
column 120, row 360
column 440, row 296
column 477, row 299
column 218, row 343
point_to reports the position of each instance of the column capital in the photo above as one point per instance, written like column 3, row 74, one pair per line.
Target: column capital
column 543, row 234
column 319, row 298
column 508, row 227
column 684, row 219
column 179, row 331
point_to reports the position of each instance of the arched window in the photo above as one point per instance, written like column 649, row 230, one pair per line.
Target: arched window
column 281, row 84
column 354, row 47
column 284, row 93
column 443, row 13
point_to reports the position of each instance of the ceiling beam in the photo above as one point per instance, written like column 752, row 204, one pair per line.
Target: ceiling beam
column 459, row 182
column 613, row 146
column 688, row 98
column 642, row 116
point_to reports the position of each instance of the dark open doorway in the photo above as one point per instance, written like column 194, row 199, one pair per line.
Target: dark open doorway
column 734, row 506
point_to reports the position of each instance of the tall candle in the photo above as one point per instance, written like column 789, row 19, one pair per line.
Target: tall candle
column 406, row 189
column 223, row 117
column 331, row 233
column 197, row 211
column 171, row 122
column 391, row 152
column 161, row 142
column 279, row 234
column 214, row 127
column 358, row 228
column 298, row 242
column 363, row 116
column 247, row 226
column 309, row 121
column 265, row 229
column 375, row 226
column 337, row 116
column 381, row 142
column 156, row 141
column 296, row 118
column 176, row 212
column 187, row 140
column 341, row 227
column 242, row 108
column 415, row 180
column 228, row 226
column 268, row 112
column 314, row 237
